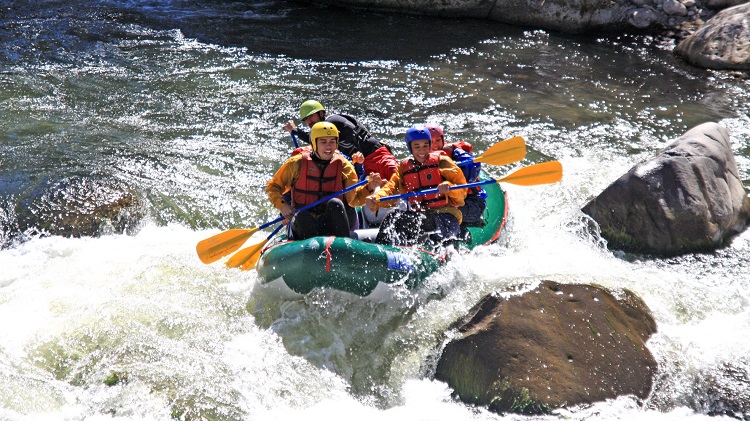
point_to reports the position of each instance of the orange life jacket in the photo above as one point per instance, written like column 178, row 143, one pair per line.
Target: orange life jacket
column 425, row 176
column 313, row 183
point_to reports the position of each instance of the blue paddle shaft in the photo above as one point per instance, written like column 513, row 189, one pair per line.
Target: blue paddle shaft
column 294, row 139
column 274, row 232
column 435, row 190
column 316, row 203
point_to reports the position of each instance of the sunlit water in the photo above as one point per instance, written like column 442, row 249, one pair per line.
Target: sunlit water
column 182, row 103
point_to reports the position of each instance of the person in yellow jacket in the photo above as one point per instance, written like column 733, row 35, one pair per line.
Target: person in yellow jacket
column 312, row 175
column 432, row 217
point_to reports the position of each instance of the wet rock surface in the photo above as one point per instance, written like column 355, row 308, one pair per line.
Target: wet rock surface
column 558, row 344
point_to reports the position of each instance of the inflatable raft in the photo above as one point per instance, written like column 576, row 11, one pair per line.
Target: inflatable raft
column 360, row 267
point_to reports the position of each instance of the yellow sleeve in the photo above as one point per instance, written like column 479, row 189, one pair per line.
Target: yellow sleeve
column 282, row 181
column 357, row 196
column 453, row 175
column 394, row 186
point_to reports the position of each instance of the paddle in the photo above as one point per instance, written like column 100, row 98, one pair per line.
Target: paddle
column 214, row 248
column 294, row 139
column 247, row 257
column 505, row 152
column 544, row 173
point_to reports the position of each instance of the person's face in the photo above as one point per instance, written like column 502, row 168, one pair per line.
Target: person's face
column 421, row 150
column 325, row 147
column 312, row 119
column 437, row 143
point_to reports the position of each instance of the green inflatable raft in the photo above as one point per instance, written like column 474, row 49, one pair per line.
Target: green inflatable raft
column 361, row 267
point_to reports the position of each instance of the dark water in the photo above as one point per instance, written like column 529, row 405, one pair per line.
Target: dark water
column 162, row 120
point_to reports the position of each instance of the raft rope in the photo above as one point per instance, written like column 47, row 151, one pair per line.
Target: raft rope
column 328, row 252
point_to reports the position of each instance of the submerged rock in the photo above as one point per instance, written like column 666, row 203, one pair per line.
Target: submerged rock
column 688, row 198
column 553, row 346
column 724, row 390
column 73, row 207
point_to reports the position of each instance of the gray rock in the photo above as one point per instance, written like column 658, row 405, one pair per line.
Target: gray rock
column 674, row 7
column 642, row 18
column 723, row 42
column 688, row 198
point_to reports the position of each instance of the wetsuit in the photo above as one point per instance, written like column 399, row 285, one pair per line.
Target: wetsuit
column 354, row 137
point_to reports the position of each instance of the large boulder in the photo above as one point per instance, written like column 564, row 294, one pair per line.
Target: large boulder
column 555, row 345
column 723, row 42
column 688, row 198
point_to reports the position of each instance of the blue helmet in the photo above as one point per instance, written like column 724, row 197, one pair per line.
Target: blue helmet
column 417, row 132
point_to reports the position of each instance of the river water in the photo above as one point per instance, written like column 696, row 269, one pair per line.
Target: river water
column 182, row 103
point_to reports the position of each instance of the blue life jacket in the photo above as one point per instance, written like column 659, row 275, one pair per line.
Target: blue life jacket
column 471, row 169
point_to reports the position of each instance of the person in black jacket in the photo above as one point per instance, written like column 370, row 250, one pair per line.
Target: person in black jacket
column 355, row 141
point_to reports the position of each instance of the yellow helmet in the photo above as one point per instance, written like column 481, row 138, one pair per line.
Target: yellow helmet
column 322, row 129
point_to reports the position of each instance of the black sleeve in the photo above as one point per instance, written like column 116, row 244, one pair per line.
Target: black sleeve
column 301, row 135
column 347, row 141
column 353, row 137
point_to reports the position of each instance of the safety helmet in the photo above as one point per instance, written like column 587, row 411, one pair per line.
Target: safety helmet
column 309, row 108
column 322, row 129
column 435, row 130
column 417, row 132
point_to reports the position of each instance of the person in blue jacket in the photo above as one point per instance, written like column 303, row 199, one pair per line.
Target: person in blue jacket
column 460, row 152
column 432, row 218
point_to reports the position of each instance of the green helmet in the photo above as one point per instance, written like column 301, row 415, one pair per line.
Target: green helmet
column 309, row 108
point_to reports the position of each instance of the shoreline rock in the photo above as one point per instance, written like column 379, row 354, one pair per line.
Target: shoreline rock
column 723, row 43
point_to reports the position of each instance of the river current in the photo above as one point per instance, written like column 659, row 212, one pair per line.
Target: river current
column 182, row 103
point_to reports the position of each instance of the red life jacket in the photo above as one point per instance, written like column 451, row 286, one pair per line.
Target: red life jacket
column 425, row 176
column 301, row 149
column 450, row 147
column 312, row 184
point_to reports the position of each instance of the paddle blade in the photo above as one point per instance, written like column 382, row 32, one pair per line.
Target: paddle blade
column 214, row 248
column 503, row 153
column 246, row 258
column 544, row 173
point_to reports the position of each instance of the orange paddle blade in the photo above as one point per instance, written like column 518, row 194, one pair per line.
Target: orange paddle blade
column 544, row 173
column 503, row 153
column 214, row 248
column 246, row 258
